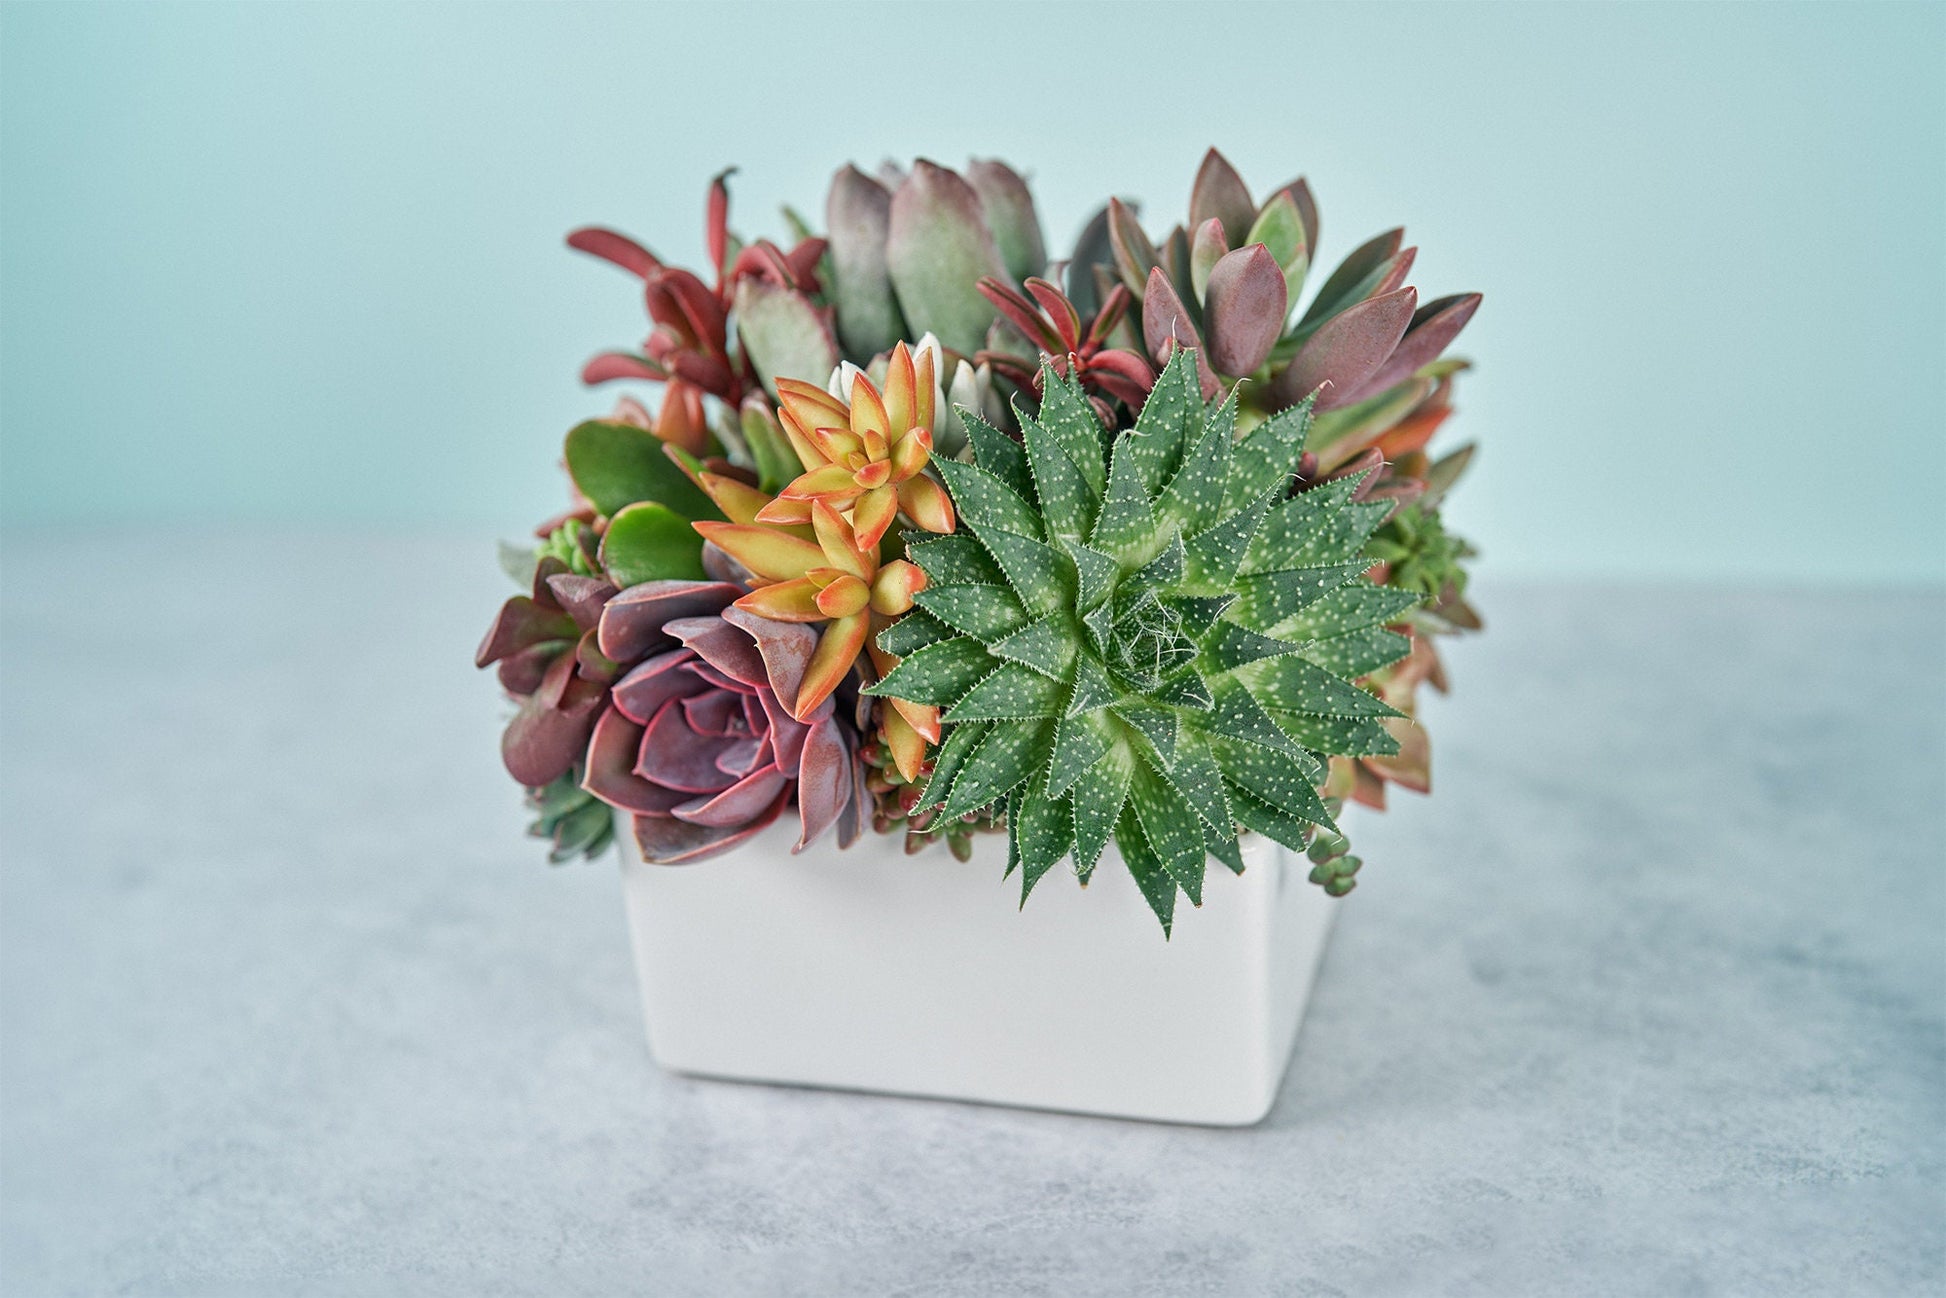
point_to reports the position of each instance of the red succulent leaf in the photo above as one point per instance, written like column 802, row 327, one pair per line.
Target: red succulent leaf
column 1020, row 313
column 717, row 220
column 615, row 248
column 1058, row 312
column 1166, row 325
column 621, row 365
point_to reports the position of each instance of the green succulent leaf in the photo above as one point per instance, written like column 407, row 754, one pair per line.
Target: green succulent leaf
column 1044, row 645
column 983, row 500
column 1037, row 573
column 1127, row 524
column 913, row 632
column 1267, row 458
column 1229, row 646
column 1043, row 833
column 1145, row 865
column 1080, row 741
column 987, row 612
column 618, row 465
column 1095, row 575
column 1175, row 406
column 1068, row 502
column 1010, row 691
column 960, row 744
column 1070, row 423
column 650, row 542
column 937, row 674
column 1358, row 653
column 1096, row 805
column 1093, row 687
column 998, row 454
column 1172, row 828
column 957, row 560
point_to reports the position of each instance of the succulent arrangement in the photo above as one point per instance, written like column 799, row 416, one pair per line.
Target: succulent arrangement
column 932, row 536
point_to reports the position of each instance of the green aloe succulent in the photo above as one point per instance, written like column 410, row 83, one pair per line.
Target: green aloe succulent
column 1141, row 635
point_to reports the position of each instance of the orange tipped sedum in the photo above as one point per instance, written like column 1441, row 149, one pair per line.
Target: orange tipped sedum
column 866, row 454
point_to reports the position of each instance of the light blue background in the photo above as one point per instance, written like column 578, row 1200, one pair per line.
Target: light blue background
column 302, row 265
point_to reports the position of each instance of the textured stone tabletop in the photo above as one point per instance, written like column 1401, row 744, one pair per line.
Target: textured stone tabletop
column 1650, row 999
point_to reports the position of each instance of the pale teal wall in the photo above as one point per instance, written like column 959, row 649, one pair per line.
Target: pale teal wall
column 303, row 263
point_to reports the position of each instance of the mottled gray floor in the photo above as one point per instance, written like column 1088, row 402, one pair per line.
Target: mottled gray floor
column 1648, row 1001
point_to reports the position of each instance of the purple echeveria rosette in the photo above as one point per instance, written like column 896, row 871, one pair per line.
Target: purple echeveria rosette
column 696, row 744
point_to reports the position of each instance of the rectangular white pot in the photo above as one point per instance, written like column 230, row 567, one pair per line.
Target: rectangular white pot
column 872, row 970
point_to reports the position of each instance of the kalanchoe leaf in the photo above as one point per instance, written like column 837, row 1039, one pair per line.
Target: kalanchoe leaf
column 1346, row 351
column 783, row 334
column 1220, row 194
column 938, row 247
column 858, row 215
column 1244, row 309
column 610, row 366
column 1009, row 210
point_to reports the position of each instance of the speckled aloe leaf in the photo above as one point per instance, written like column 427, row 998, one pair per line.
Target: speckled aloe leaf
column 1043, row 833
column 617, row 465
column 650, row 542
column 998, row 454
column 1164, row 683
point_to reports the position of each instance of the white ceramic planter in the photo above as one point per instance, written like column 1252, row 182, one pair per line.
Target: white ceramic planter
column 872, row 970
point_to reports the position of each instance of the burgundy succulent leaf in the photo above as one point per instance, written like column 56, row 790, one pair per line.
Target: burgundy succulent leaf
column 1433, row 328
column 1167, row 325
column 1220, row 194
column 698, row 743
column 1245, row 309
column 1347, row 350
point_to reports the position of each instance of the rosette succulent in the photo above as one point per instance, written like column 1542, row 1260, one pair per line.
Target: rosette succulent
column 699, row 743
column 1140, row 635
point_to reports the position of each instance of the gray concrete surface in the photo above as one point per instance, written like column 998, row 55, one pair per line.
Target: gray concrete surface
column 1650, row 999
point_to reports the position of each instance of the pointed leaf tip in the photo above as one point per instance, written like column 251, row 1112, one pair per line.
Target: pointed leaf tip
column 1245, row 307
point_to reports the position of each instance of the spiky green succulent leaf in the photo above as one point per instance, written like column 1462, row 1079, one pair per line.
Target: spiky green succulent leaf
column 1139, row 636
